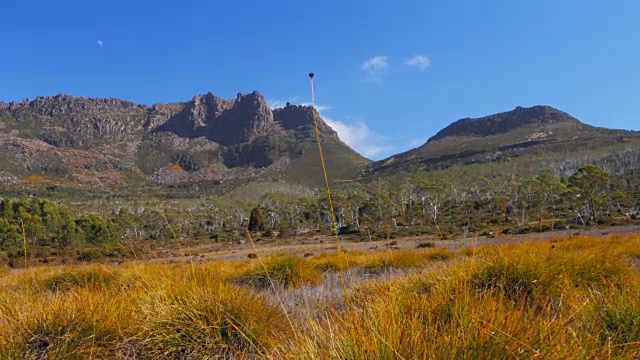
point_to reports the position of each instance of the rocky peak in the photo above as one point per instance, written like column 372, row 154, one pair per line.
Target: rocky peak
column 542, row 114
column 68, row 121
column 205, row 108
column 188, row 119
column 505, row 122
column 248, row 117
column 297, row 116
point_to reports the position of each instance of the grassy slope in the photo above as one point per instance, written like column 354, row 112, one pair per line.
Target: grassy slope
column 568, row 298
column 569, row 141
column 342, row 163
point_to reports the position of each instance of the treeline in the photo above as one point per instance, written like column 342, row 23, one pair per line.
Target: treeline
column 441, row 207
column 44, row 228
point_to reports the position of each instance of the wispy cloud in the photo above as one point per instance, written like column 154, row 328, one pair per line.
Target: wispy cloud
column 360, row 137
column 376, row 64
column 319, row 107
column 420, row 62
column 376, row 67
column 100, row 43
column 415, row 142
column 277, row 103
column 357, row 135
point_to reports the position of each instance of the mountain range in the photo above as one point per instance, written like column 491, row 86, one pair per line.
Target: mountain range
column 213, row 143
column 89, row 142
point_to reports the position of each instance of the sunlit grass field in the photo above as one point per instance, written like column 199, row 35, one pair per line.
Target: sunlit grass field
column 568, row 298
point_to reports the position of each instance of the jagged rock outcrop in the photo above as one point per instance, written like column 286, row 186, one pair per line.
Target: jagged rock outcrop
column 160, row 114
column 298, row 116
column 77, row 122
column 188, row 119
column 249, row 117
column 206, row 138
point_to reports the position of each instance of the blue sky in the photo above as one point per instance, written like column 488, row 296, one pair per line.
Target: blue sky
column 389, row 74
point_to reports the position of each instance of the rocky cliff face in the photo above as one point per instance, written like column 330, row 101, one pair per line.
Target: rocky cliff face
column 248, row 118
column 67, row 121
column 297, row 117
column 187, row 119
column 208, row 138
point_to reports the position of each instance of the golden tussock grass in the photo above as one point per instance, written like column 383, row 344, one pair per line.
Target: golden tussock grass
column 570, row 298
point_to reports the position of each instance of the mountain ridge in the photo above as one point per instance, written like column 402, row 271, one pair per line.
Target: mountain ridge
column 539, row 132
column 108, row 142
column 207, row 138
column 505, row 121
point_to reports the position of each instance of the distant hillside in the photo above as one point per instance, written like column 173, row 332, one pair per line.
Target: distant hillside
column 214, row 145
column 502, row 123
column 109, row 143
column 535, row 138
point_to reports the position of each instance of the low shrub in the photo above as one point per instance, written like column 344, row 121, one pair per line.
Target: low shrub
column 285, row 271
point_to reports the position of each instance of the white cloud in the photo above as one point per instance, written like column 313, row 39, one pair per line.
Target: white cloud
column 376, row 64
column 100, row 43
column 376, row 67
column 420, row 62
column 320, row 108
column 277, row 103
column 360, row 137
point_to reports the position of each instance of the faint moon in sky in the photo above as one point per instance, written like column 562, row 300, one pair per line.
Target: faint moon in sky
column 100, row 43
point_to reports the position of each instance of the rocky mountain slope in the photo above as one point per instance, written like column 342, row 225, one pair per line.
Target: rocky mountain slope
column 215, row 144
column 109, row 143
column 535, row 138
column 502, row 123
